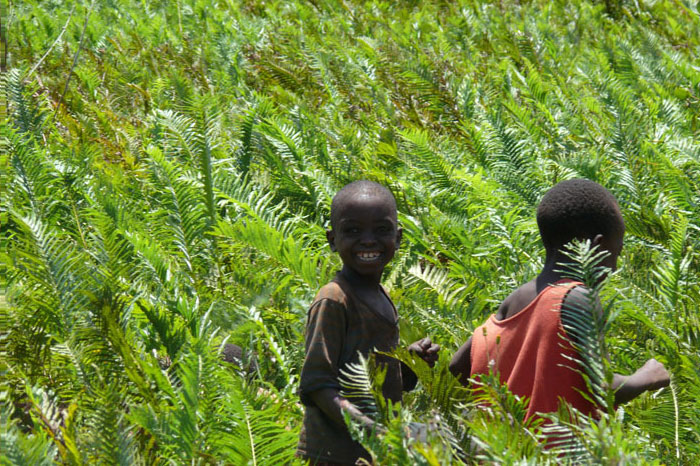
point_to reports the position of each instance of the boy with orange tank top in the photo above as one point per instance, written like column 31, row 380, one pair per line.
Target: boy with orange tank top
column 523, row 341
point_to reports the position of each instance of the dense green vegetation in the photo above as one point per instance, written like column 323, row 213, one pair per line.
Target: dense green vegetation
column 167, row 170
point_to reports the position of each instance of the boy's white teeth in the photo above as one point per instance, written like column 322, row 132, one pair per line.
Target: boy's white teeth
column 368, row 255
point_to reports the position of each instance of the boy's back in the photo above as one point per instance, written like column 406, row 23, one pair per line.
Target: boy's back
column 526, row 345
column 529, row 332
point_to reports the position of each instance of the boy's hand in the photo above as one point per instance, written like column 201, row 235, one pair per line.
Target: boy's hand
column 654, row 374
column 651, row 376
column 426, row 349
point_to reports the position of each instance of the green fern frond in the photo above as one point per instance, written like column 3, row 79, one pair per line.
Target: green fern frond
column 186, row 217
column 27, row 113
column 359, row 388
column 54, row 266
column 449, row 292
column 586, row 324
column 33, row 177
column 20, row 447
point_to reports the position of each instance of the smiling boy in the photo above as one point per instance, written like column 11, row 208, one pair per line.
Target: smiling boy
column 352, row 315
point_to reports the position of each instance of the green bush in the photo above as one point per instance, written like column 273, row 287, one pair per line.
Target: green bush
column 166, row 175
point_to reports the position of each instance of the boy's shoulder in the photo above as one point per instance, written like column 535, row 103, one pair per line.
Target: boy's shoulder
column 517, row 300
column 334, row 291
column 343, row 293
column 526, row 294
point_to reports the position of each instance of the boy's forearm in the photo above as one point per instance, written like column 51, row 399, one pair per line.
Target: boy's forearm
column 651, row 376
column 626, row 388
column 408, row 377
column 460, row 365
column 334, row 406
column 428, row 352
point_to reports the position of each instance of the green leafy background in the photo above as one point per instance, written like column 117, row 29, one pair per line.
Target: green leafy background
column 166, row 174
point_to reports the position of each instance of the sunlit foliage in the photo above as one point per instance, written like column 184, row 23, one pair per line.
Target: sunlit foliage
column 165, row 180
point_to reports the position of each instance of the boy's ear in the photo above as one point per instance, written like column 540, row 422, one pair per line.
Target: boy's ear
column 597, row 241
column 330, row 236
column 399, row 235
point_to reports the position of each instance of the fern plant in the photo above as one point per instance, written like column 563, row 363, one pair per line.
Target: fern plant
column 169, row 193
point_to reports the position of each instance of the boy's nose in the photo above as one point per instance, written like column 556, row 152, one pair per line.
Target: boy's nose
column 367, row 238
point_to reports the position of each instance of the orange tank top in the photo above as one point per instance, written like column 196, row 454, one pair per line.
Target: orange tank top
column 531, row 353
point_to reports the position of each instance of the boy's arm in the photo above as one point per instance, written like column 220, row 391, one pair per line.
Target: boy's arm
column 428, row 352
column 334, row 406
column 319, row 385
column 651, row 376
column 461, row 364
column 408, row 377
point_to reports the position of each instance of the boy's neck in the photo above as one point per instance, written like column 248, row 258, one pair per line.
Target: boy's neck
column 551, row 272
column 363, row 281
column 546, row 277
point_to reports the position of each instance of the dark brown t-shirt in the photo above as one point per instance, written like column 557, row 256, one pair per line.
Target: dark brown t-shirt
column 339, row 326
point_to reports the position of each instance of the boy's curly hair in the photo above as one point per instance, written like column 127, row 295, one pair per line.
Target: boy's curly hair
column 355, row 188
column 579, row 209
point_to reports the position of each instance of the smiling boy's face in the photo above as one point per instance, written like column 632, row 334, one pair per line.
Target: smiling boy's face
column 365, row 233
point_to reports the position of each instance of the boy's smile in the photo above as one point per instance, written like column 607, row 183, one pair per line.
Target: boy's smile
column 366, row 234
column 368, row 256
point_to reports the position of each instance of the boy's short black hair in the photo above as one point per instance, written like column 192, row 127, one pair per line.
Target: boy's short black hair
column 355, row 188
column 577, row 208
